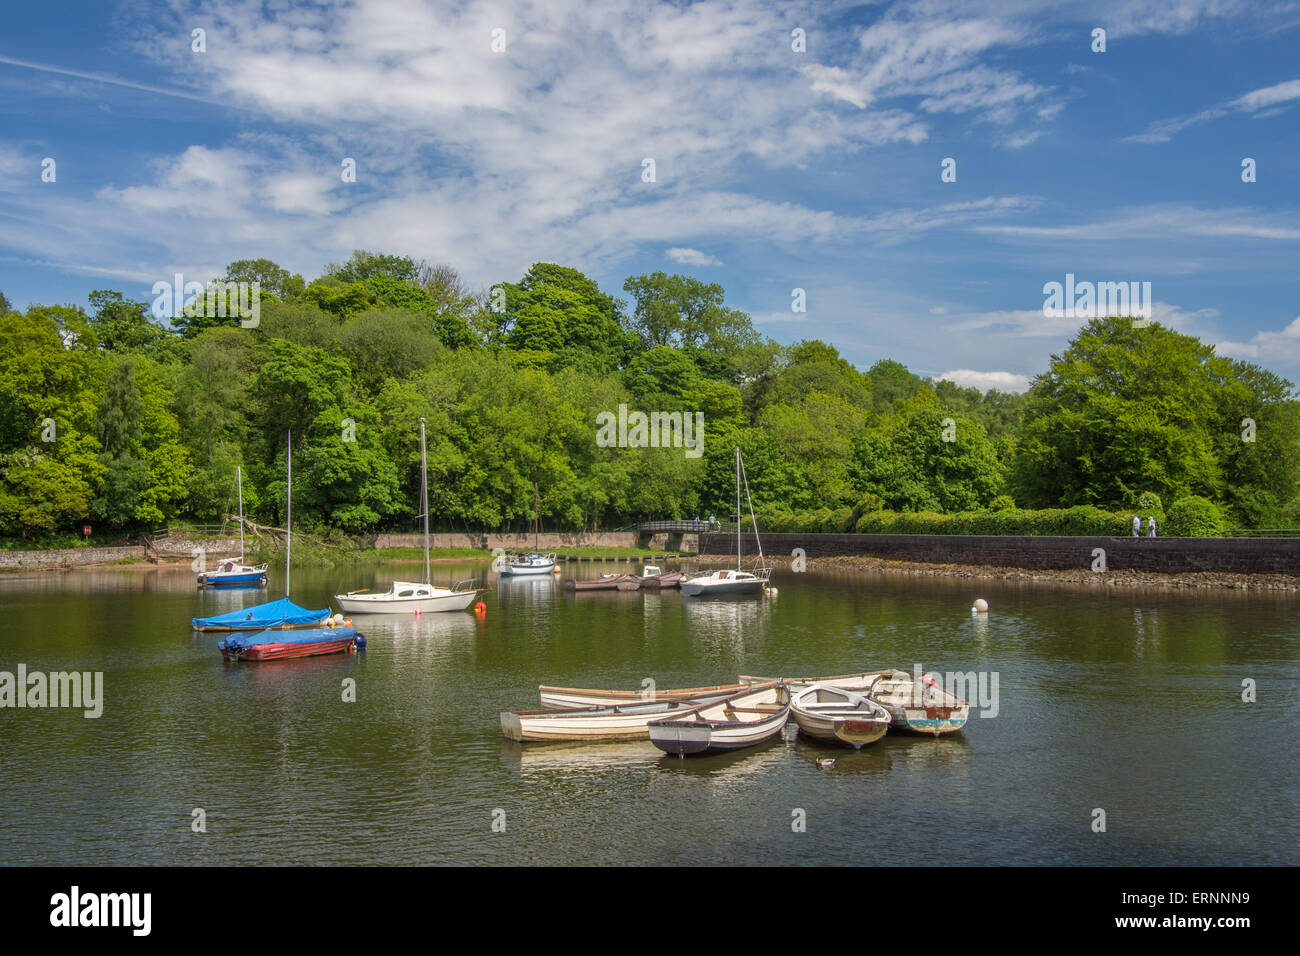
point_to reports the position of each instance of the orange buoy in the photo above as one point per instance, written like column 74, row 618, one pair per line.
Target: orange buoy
column 480, row 609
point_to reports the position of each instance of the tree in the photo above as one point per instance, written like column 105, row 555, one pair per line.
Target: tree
column 271, row 279
column 891, row 383
column 924, row 458
column 48, row 454
column 1123, row 409
column 146, row 469
column 562, row 316
column 681, row 311
column 123, row 326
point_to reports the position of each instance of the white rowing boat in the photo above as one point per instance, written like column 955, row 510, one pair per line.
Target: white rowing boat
column 825, row 712
column 745, row 719
column 559, row 697
column 617, row 722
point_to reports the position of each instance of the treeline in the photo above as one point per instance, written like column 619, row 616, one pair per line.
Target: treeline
column 112, row 417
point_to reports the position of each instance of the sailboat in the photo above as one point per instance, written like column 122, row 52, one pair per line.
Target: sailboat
column 232, row 571
column 526, row 563
column 405, row 595
column 278, row 615
column 738, row 581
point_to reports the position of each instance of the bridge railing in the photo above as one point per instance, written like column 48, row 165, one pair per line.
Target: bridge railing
column 653, row 527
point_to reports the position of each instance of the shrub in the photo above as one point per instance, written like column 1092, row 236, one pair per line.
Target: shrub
column 1194, row 517
column 1002, row 503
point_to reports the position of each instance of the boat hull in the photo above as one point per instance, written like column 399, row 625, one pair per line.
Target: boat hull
column 626, row 722
column 561, row 697
column 452, row 601
column 522, row 572
column 281, row 652
column 742, row 720
column 854, row 732
column 269, row 647
column 697, row 589
column 216, row 579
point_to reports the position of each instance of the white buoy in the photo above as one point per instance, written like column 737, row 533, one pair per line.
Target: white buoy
column 981, row 606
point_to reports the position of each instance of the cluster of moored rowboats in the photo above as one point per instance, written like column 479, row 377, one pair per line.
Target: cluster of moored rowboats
column 853, row 709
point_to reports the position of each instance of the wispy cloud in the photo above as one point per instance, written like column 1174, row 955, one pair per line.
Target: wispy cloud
column 1265, row 98
column 692, row 257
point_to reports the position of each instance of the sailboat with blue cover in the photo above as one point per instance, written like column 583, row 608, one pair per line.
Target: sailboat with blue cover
column 278, row 615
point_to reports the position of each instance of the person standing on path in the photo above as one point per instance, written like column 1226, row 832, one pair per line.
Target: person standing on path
column 1137, row 526
column 1151, row 526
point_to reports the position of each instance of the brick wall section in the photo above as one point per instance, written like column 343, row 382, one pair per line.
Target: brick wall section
column 66, row 558
column 1167, row 555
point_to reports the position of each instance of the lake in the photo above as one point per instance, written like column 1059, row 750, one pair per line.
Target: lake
column 1125, row 701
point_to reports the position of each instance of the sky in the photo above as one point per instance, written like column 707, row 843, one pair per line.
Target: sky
column 794, row 147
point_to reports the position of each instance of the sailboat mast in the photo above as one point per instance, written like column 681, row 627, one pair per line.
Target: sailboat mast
column 424, row 499
column 239, row 483
column 288, row 506
column 737, row 507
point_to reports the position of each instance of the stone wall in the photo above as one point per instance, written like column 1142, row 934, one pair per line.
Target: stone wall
column 546, row 541
column 1166, row 555
column 67, row 557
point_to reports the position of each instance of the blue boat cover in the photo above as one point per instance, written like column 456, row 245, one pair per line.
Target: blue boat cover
column 261, row 616
column 313, row 635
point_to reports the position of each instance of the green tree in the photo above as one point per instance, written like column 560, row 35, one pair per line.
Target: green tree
column 924, row 458
column 1123, row 409
column 49, row 468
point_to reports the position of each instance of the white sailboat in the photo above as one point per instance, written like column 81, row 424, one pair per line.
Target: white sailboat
column 406, row 596
column 738, row 581
column 233, row 572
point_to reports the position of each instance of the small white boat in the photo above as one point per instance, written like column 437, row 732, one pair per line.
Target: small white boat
column 405, row 596
column 741, row 720
column 825, row 712
column 561, row 697
column 524, row 564
column 620, row 722
column 738, row 581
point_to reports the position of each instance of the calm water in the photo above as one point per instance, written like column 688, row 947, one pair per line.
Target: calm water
column 1127, row 701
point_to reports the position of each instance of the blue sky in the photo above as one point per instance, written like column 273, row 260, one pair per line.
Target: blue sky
column 775, row 169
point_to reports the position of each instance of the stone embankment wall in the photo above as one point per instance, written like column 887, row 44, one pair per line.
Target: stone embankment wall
column 1162, row 555
column 66, row 557
column 546, row 541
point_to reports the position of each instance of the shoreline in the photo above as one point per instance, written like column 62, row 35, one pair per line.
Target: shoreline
column 1195, row 580
column 1186, row 580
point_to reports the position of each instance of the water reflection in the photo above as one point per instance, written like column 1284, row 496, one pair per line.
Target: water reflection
column 1135, row 696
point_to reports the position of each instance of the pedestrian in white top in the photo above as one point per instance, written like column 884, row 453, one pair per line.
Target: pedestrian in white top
column 1151, row 526
column 1137, row 526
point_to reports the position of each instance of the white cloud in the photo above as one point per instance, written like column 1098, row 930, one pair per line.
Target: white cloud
column 1162, row 221
column 1281, row 346
column 693, row 257
column 1002, row 381
column 1267, row 98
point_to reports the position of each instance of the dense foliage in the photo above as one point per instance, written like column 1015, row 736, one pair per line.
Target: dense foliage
column 110, row 416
